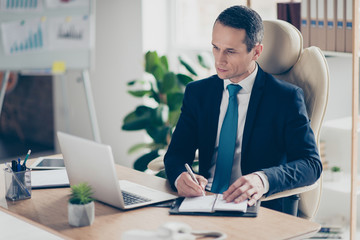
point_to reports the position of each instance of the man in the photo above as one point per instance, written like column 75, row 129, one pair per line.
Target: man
column 251, row 130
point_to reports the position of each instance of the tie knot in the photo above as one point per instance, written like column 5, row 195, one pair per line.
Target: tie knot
column 233, row 89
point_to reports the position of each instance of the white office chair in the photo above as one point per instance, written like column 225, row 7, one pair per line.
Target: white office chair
column 285, row 58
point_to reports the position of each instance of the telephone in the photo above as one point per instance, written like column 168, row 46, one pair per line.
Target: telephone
column 170, row 231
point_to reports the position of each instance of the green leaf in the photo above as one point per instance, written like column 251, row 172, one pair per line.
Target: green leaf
column 161, row 174
column 151, row 60
column 174, row 100
column 158, row 72
column 168, row 83
column 187, row 66
column 184, row 79
column 142, row 162
column 158, row 134
column 164, row 62
column 203, row 62
column 138, row 146
column 161, row 115
column 174, row 117
column 139, row 119
column 140, row 93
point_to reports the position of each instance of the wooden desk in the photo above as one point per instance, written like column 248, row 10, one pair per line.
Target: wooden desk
column 49, row 208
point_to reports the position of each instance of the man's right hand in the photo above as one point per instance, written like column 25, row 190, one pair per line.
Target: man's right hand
column 187, row 187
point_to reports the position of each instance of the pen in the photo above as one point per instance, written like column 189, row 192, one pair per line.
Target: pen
column 188, row 169
column 19, row 165
column 26, row 158
column 18, row 181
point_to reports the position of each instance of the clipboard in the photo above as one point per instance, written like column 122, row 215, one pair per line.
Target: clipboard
column 250, row 212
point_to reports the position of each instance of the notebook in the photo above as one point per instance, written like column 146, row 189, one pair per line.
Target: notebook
column 93, row 163
column 211, row 208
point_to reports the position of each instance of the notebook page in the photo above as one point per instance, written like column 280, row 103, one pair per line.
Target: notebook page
column 198, row 204
column 222, row 205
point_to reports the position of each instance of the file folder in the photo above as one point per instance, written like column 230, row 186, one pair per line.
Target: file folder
column 321, row 24
column 348, row 26
column 313, row 23
column 340, row 26
column 330, row 25
column 305, row 22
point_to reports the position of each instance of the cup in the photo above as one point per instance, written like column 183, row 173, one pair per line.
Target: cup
column 17, row 184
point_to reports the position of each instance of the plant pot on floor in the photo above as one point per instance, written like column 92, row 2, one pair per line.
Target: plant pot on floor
column 81, row 215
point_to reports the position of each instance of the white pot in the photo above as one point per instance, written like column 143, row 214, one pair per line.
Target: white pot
column 81, row 215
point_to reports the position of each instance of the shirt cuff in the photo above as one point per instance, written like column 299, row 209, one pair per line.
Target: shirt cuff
column 264, row 180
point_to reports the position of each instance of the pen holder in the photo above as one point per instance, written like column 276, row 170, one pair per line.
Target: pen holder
column 17, row 184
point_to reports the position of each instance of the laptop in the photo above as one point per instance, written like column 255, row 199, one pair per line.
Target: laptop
column 93, row 163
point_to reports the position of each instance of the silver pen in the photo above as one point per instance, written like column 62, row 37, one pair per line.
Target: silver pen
column 192, row 175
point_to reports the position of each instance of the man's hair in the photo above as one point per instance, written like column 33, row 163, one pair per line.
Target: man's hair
column 241, row 17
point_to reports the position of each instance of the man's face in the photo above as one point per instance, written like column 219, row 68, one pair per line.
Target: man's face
column 232, row 60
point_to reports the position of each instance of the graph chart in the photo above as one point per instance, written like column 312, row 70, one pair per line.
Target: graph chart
column 21, row 37
column 20, row 5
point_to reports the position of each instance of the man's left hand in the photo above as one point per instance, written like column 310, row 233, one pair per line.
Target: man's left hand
column 246, row 187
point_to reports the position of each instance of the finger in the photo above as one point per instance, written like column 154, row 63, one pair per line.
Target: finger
column 240, row 192
column 238, row 183
column 202, row 181
column 188, row 187
column 246, row 195
column 254, row 199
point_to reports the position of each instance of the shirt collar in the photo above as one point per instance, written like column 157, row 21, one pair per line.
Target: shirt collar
column 246, row 84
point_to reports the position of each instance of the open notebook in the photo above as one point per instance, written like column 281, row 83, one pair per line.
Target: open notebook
column 211, row 203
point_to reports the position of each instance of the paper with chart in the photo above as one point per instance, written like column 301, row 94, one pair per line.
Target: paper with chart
column 24, row 36
column 21, row 5
column 69, row 32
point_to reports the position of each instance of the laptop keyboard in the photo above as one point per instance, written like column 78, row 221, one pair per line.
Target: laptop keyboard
column 130, row 198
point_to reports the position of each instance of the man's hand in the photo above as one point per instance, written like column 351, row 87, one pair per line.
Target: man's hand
column 188, row 188
column 246, row 187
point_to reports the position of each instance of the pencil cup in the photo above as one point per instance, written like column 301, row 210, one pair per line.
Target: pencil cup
column 17, row 184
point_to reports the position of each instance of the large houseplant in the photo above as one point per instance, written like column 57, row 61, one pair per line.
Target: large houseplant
column 166, row 89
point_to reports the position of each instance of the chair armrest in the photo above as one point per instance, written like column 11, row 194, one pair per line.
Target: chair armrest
column 157, row 164
column 290, row 192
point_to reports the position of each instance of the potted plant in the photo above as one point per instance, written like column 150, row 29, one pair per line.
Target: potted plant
column 81, row 207
column 166, row 90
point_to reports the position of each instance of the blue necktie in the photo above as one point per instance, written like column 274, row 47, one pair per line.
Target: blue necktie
column 227, row 143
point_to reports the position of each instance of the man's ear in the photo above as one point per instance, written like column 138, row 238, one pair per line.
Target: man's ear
column 257, row 51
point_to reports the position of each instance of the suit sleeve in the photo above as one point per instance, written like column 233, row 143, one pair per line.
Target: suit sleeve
column 184, row 141
column 303, row 166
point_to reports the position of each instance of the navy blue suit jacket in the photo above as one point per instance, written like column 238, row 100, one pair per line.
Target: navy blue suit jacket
column 277, row 136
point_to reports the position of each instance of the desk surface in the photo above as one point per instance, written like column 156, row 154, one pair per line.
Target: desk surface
column 49, row 208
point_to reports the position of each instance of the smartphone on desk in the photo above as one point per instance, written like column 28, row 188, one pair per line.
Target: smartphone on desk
column 47, row 163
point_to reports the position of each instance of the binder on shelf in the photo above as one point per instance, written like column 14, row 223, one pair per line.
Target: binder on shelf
column 330, row 25
column 321, row 17
column 305, row 22
column 348, row 26
column 340, row 26
column 313, row 23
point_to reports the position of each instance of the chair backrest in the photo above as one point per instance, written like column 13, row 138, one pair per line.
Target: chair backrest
column 284, row 57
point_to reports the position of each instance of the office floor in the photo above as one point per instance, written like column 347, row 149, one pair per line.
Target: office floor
column 11, row 148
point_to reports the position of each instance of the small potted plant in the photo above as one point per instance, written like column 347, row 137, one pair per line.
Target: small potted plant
column 336, row 173
column 81, row 207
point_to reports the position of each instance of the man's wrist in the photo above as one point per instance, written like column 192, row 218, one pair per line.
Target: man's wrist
column 264, row 180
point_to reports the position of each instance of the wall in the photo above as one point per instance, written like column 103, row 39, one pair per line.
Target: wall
column 118, row 59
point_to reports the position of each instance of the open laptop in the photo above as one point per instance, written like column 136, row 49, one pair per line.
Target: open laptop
column 93, row 163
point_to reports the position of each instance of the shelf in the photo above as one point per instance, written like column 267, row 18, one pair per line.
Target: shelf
column 337, row 54
column 341, row 185
column 340, row 123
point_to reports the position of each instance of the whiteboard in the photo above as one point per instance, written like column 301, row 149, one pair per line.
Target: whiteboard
column 74, row 57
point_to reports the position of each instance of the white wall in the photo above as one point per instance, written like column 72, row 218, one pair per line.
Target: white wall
column 118, row 59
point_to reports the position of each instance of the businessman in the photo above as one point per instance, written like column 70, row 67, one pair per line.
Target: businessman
column 251, row 129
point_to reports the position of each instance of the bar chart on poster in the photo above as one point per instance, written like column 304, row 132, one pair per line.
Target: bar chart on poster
column 35, row 34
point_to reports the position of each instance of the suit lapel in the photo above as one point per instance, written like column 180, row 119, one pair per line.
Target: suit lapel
column 255, row 98
column 215, row 102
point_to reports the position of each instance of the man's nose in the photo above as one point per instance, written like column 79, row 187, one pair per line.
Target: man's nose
column 221, row 59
